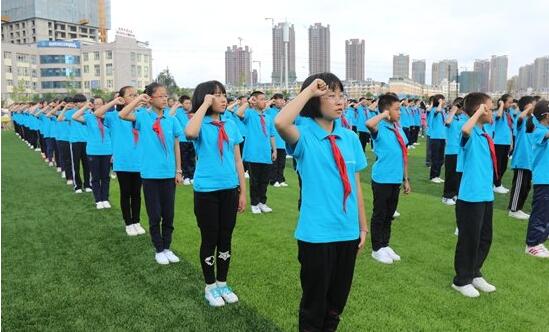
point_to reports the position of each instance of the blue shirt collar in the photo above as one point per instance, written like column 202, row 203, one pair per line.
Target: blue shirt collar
column 321, row 134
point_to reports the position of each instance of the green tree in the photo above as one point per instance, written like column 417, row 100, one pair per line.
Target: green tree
column 19, row 93
column 104, row 94
column 165, row 78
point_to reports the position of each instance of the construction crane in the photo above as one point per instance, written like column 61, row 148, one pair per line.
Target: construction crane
column 240, row 39
column 102, row 21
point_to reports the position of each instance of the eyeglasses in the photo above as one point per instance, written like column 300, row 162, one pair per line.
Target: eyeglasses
column 334, row 98
column 164, row 97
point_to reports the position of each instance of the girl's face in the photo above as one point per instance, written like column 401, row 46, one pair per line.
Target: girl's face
column 508, row 103
column 219, row 104
column 98, row 102
column 394, row 112
column 171, row 101
column 332, row 104
column 129, row 95
column 159, row 98
column 442, row 102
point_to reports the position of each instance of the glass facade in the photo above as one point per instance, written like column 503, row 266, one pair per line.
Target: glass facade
column 56, row 72
column 61, row 85
column 66, row 59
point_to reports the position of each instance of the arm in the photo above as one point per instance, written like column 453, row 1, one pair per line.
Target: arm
column 499, row 114
column 79, row 115
column 373, row 122
column 362, row 220
column 242, row 109
column 61, row 116
column 273, row 148
column 127, row 112
column 407, row 188
column 100, row 112
column 178, row 171
column 174, row 108
column 193, row 127
column 471, row 123
column 450, row 116
column 241, row 179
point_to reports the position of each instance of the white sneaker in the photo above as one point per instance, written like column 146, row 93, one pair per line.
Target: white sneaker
column 382, row 256
column 264, row 208
column 50, row 164
column 139, row 230
column 467, row 290
column 416, row 143
column 500, row 190
column 63, row 175
column 88, row 190
column 256, row 209
column 99, row 205
column 434, row 180
column 456, row 232
column 519, row 215
column 227, row 294
column 69, row 182
column 482, row 285
column 113, row 175
column 538, row 251
column 448, row 201
column 192, row 181
column 130, row 230
column 58, row 169
column 389, row 251
column 276, row 185
column 161, row 258
column 79, row 191
column 247, row 175
column 171, row 256
column 37, row 149
column 283, row 184
column 213, row 296
column 396, row 214
column 106, row 205
column 187, row 182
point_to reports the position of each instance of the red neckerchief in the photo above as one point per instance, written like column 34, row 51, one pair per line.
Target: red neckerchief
column 221, row 136
column 157, row 128
column 492, row 154
column 342, row 169
column 101, row 127
column 402, row 145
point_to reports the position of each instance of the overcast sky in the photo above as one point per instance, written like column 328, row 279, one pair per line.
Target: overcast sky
column 190, row 37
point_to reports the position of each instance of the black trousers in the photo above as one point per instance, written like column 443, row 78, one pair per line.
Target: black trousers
column 50, row 148
column 65, row 157
column 538, row 225
column 56, row 155
column 259, row 180
column 215, row 213
column 160, row 200
column 78, row 155
column 326, row 276
column 427, row 151
column 100, row 167
column 277, row 167
column 385, row 204
column 408, row 134
column 415, row 133
column 188, row 159
column 244, row 163
column 502, row 156
column 522, row 182
column 437, row 156
column 130, row 196
column 474, row 221
column 364, row 138
column 42, row 142
column 33, row 138
column 451, row 176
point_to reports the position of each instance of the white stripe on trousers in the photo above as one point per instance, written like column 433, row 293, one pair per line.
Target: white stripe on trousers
column 72, row 166
column 516, row 193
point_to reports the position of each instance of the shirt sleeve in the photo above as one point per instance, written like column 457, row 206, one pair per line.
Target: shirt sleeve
column 177, row 130
column 297, row 149
column 238, row 138
column 538, row 136
column 138, row 120
column 272, row 129
column 361, row 162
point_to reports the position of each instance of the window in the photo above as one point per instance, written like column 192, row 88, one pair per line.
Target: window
column 138, row 57
column 92, row 31
column 87, row 84
column 86, row 56
column 109, row 84
column 133, row 70
column 84, row 30
column 60, row 72
column 86, row 69
column 7, row 54
column 33, row 59
column 139, row 71
column 146, row 71
column 108, row 69
column 9, row 82
column 73, row 28
column 97, row 70
column 109, row 55
column 24, row 33
column 34, row 73
column 96, row 55
column 72, row 35
column 132, row 56
column 20, row 58
column 23, row 25
column 8, row 69
column 66, row 59
column 61, row 85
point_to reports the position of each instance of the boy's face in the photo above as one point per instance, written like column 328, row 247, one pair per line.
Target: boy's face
column 279, row 103
column 260, row 102
column 508, row 103
column 187, row 105
column 171, row 102
column 488, row 105
column 159, row 98
column 394, row 112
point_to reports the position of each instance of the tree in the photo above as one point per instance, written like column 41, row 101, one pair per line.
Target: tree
column 165, row 78
column 19, row 92
column 104, row 94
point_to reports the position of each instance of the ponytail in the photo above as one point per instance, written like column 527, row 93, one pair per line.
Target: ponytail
column 530, row 126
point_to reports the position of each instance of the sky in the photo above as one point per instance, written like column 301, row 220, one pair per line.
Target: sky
column 190, row 37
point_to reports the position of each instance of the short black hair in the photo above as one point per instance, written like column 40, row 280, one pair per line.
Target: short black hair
column 79, row 98
column 472, row 102
column 505, row 97
column 537, row 98
column 257, row 93
column 68, row 100
column 277, row 96
column 361, row 99
column 183, row 98
column 203, row 89
column 458, row 102
column 540, row 110
column 240, row 97
column 122, row 91
column 312, row 107
column 436, row 99
column 385, row 101
column 525, row 100
column 151, row 88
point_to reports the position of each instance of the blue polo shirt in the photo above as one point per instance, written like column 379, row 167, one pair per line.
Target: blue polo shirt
column 97, row 145
column 503, row 134
column 322, row 218
column 126, row 153
column 389, row 164
column 361, row 119
column 258, row 145
column 63, row 129
column 405, row 120
column 429, row 120
column 45, row 127
column 272, row 112
column 438, row 127
column 417, row 116
column 350, row 116
column 182, row 116
column 237, row 120
column 453, row 134
column 522, row 150
column 53, row 126
column 540, row 155
column 477, row 180
column 77, row 131
column 157, row 161
column 212, row 172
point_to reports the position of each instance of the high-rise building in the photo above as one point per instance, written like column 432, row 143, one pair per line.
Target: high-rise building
column 418, row 71
column 541, row 73
column 354, row 59
column 469, row 81
column 526, row 77
column 444, row 70
column 238, row 65
column 498, row 73
column 254, row 77
column 319, row 48
column 483, row 67
column 401, row 66
column 278, row 54
column 30, row 21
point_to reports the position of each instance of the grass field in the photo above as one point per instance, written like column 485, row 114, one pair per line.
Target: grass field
column 67, row 266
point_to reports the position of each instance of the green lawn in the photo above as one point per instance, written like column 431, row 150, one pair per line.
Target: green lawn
column 67, row 266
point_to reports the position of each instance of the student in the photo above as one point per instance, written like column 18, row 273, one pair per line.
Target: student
column 126, row 157
column 242, row 128
column 182, row 111
column 503, row 139
column 454, row 121
column 332, row 223
column 160, row 165
column 77, row 139
column 437, row 138
column 428, row 119
column 538, row 225
column 63, row 132
column 219, row 186
column 405, row 120
column 474, row 207
column 276, row 178
column 362, row 117
column 99, row 152
column 522, row 160
column 259, row 150
column 389, row 171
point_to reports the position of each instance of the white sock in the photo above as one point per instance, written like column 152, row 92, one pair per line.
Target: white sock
column 221, row 283
column 210, row 287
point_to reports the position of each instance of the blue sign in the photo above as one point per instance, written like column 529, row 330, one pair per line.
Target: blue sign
column 94, row 84
column 58, row 43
